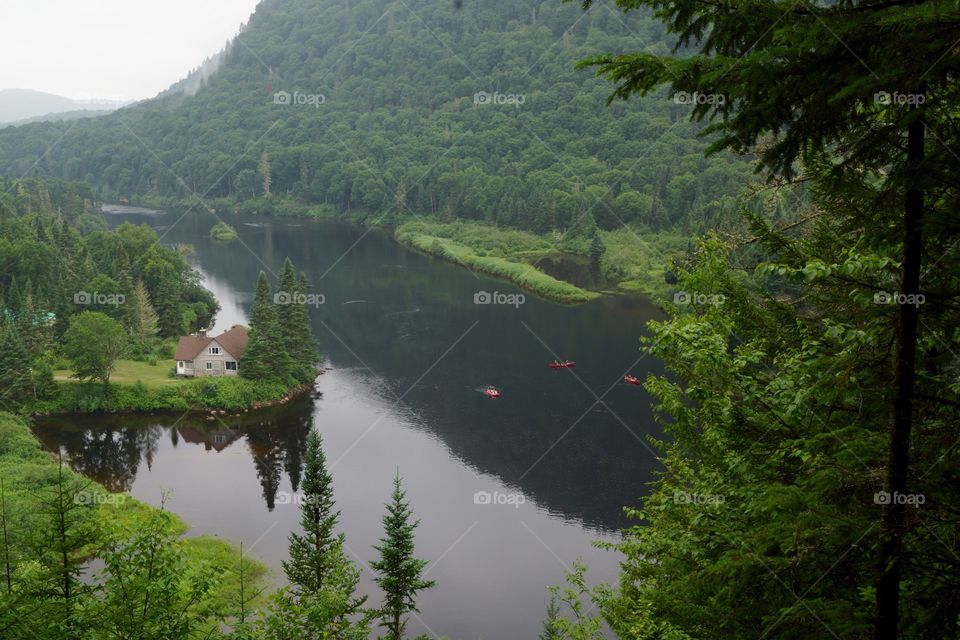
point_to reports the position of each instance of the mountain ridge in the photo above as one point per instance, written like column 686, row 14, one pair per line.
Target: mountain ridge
column 20, row 106
column 390, row 123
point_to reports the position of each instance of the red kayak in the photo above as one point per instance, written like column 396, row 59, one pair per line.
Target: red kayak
column 566, row 364
column 491, row 392
column 632, row 380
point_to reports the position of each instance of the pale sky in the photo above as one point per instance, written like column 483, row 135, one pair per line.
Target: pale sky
column 111, row 49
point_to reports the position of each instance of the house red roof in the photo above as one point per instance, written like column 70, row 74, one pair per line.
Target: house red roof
column 233, row 341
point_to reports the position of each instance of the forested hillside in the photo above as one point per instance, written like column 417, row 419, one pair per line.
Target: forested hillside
column 58, row 263
column 422, row 108
column 48, row 265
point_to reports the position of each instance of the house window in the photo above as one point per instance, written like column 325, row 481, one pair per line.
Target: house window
column 209, row 365
column 180, row 364
column 214, row 351
column 230, row 365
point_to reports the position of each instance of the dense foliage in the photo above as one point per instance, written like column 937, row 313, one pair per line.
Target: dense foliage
column 57, row 260
column 810, row 485
column 281, row 347
column 93, row 343
column 229, row 393
column 400, row 573
column 151, row 582
column 474, row 113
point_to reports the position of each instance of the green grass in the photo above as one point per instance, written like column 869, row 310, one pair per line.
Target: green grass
column 637, row 260
column 484, row 239
column 496, row 252
column 222, row 232
column 132, row 371
column 138, row 386
column 28, row 471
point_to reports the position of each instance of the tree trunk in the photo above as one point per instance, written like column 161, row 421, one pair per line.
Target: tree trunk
column 893, row 515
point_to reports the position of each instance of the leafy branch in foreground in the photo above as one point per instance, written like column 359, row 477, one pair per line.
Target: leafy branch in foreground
column 845, row 91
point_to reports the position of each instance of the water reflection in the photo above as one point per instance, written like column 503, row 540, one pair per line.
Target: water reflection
column 574, row 440
column 409, row 349
column 111, row 448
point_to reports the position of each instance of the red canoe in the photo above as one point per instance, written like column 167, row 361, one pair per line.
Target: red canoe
column 566, row 364
column 632, row 380
column 491, row 392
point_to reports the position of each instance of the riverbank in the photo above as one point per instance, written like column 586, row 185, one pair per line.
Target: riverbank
column 147, row 389
column 449, row 242
column 28, row 471
column 628, row 265
column 633, row 261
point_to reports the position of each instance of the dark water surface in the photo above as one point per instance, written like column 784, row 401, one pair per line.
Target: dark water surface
column 562, row 451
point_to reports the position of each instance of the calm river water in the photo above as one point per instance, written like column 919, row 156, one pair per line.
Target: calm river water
column 509, row 491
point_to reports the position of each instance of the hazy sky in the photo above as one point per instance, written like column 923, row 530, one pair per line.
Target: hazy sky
column 113, row 49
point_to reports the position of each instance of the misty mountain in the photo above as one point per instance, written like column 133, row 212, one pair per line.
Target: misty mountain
column 20, row 106
column 373, row 106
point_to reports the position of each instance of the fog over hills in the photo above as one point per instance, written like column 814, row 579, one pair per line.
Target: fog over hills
column 20, row 106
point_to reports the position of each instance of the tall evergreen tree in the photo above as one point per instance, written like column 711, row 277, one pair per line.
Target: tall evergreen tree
column 262, row 360
column 16, row 383
column 303, row 344
column 142, row 319
column 399, row 572
column 863, row 95
column 294, row 324
column 288, row 304
column 32, row 324
column 313, row 553
column 68, row 528
column 323, row 581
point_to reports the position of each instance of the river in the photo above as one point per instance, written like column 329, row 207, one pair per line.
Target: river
column 509, row 491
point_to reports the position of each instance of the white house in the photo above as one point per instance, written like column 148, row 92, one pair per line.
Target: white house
column 202, row 355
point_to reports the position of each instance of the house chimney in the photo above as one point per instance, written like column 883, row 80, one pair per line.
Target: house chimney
column 202, row 333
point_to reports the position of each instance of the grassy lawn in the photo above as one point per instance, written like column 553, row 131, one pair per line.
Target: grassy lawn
column 130, row 371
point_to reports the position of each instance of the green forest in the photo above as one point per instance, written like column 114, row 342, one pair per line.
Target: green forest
column 70, row 288
column 153, row 583
column 797, row 158
column 400, row 134
column 76, row 297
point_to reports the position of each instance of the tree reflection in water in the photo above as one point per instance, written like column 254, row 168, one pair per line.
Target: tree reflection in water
column 111, row 448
